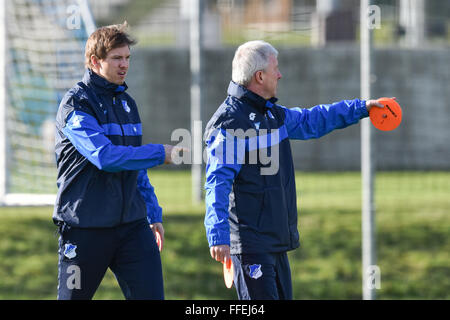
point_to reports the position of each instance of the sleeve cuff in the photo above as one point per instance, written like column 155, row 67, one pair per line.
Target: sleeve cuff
column 364, row 112
column 219, row 239
column 154, row 219
column 163, row 154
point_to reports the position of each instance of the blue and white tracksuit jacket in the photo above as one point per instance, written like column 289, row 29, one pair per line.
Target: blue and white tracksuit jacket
column 101, row 162
column 246, row 209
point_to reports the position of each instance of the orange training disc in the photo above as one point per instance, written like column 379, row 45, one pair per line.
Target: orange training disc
column 387, row 118
column 228, row 273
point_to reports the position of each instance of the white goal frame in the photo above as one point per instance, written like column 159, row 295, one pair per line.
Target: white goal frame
column 23, row 199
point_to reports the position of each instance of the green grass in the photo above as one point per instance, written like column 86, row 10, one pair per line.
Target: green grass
column 412, row 232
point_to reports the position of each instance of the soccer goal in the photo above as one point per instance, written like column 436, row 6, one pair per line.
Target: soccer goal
column 41, row 53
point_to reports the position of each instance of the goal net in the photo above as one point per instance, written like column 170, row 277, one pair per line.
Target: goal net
column 42, row 49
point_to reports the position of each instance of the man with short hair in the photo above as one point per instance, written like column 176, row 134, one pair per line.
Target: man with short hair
column 251, row 213
column 105, row 201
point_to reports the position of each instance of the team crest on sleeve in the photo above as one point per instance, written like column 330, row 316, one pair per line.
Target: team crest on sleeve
column 255, row 271
column 125, row 106
column 69, row 250
column 76, row 121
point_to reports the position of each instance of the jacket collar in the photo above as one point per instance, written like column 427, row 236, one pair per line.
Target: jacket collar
column 100, row 83
column 254, row 99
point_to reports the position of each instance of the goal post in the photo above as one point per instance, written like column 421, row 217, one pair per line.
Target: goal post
column 42, row 56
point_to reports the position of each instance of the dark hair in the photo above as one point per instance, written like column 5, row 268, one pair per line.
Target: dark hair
column 105, row 39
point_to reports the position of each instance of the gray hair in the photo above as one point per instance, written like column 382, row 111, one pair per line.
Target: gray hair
column 249, row 58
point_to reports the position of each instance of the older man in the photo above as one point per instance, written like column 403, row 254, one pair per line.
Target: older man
column 251, row 212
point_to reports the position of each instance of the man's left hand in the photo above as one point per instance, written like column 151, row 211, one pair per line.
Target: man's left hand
column 158, row 227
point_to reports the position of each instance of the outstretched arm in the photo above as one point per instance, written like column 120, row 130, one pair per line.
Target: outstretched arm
column 315, row 122
column 90, row 139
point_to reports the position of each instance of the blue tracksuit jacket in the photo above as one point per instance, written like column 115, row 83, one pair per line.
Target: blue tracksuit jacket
column 250, row 180
column 101, row 162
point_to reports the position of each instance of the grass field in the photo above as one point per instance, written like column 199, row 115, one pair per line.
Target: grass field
column 413, row 245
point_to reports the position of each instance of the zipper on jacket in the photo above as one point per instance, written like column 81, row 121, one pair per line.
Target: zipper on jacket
column 121, row 173
column 267, row 121
column 115, row 114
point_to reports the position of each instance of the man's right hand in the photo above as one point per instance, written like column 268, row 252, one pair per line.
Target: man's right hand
column 220, row 253
column 172, row 151
column 168, row 151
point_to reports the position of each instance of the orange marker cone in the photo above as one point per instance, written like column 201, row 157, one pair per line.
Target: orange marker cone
column 228, row 273
column 159, row 241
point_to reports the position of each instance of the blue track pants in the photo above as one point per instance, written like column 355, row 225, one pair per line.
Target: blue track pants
column 129, row 250
column 263, row 276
